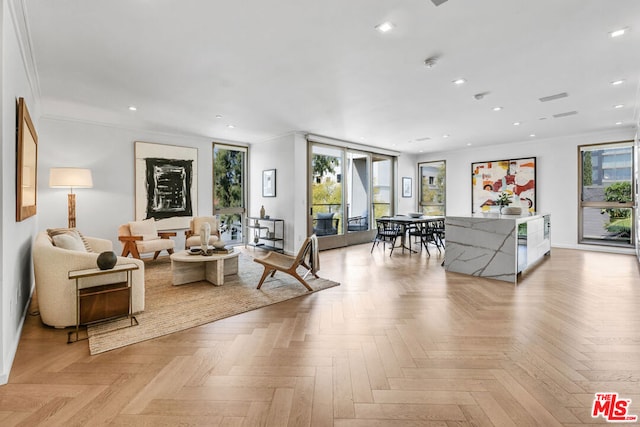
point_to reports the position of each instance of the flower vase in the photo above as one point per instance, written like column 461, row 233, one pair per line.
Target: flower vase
column 205, row 233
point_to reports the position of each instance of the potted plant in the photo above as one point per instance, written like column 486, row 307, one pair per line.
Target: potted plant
column 504, row 199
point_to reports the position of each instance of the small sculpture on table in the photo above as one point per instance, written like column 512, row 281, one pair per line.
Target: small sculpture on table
column 205, row 234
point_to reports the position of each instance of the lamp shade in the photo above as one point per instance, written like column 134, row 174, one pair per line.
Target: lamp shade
column 70, row 178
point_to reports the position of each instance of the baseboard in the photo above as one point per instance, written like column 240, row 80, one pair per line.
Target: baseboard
column 4, row 376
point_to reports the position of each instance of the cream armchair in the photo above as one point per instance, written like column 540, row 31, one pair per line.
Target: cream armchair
column 57, row 293
column 140, row 237
column 193, row 233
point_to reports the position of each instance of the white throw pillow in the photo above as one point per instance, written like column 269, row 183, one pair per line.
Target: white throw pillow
column 69, row 241
column 147, row 229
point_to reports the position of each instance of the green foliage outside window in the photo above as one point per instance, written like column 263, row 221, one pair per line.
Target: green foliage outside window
column 227, row 172
column 619, row 219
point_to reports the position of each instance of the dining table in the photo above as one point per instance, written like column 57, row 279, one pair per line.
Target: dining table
column 407, row 222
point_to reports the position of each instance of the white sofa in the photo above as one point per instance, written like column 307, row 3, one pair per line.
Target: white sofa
column 56, row 293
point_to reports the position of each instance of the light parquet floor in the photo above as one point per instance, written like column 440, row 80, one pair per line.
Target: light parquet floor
column 399, row 343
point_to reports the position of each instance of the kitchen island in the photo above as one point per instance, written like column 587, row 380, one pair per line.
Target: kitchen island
column 496, row 246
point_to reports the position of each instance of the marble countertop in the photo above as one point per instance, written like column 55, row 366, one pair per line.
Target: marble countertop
column 494, row 215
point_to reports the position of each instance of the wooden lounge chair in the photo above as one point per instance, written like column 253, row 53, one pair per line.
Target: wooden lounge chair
column 275, row 261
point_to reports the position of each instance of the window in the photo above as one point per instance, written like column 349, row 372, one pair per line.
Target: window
column 606, row 216
column 229, row 190
column 432, row 187
column 349, row 188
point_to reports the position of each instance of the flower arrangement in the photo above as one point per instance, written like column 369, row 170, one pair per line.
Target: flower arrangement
column 504, row 199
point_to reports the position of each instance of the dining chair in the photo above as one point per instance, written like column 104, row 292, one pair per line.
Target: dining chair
column 388, row 232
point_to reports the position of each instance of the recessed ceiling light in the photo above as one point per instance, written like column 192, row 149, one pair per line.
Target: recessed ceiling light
column 617, row 82
column 497, row 108
column 362, row 138
column 218, row 116
column 421, row 151
column 459, row 81
column 231, row 126
column 468, row 144
column 618, row 106
column 446, row 135
column 132, row 108
column 618, row 33
column 532, row 135
column 385, row 27
column 618, row 123
column 516, row 123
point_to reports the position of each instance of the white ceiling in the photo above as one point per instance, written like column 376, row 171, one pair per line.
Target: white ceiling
column 272, row 67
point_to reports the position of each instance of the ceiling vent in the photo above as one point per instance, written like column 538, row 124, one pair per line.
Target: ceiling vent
column 568, row 113
column 426, row 138
column 554, row 97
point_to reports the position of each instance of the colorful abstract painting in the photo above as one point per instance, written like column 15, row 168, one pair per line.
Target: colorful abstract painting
column 516, row 177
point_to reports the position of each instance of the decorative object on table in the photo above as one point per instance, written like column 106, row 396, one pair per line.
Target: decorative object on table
column 415, row 214
column 504, row 199
column 269, row 183
column 27, row 162
column 262, row 212
column 219, row 244
column 70, row 178
column 489, row 179
column 406, row 186
column 166, row 184
column 192, row 235
column 205, row 233
column 107, row 260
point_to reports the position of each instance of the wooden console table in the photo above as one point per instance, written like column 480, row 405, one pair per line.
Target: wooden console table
column 103, row 302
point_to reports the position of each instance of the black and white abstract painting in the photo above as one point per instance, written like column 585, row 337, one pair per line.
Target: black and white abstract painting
column 166, row 184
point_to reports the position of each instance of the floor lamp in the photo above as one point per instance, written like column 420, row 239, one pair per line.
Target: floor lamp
column 70, row 178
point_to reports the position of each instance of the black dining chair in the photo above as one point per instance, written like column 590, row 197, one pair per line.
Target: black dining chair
column 388, row 232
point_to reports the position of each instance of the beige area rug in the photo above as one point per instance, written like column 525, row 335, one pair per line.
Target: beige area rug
column 171, row 308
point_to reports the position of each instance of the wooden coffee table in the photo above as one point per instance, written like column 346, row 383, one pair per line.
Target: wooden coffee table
column 188, row 268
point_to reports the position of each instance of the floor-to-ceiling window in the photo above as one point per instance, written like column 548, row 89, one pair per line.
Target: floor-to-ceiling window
column 432, row 187
column 348, row 188
column 606, row 216
column 382, row 181
column 229, row 190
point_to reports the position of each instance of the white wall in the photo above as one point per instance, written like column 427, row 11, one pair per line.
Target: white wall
column 407, row 167
column 16, row 273
column 278, row 154
column 109, row 153
column 556, row 178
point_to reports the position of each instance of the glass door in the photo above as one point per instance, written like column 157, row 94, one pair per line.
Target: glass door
column 382, row 182
column 229, row 190
column 357, row 192
column 327, row 212
column 606, row 214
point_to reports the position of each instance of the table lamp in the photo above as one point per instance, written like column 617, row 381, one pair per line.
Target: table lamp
column 70, row 178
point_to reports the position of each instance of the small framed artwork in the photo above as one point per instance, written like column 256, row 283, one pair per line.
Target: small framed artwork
column 269, row 183
column 406, row 186
column 27, row 164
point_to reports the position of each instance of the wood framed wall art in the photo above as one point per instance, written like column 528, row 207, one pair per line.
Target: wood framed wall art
column 26, row 164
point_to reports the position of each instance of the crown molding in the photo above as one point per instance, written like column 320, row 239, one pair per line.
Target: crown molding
column 18, row 13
